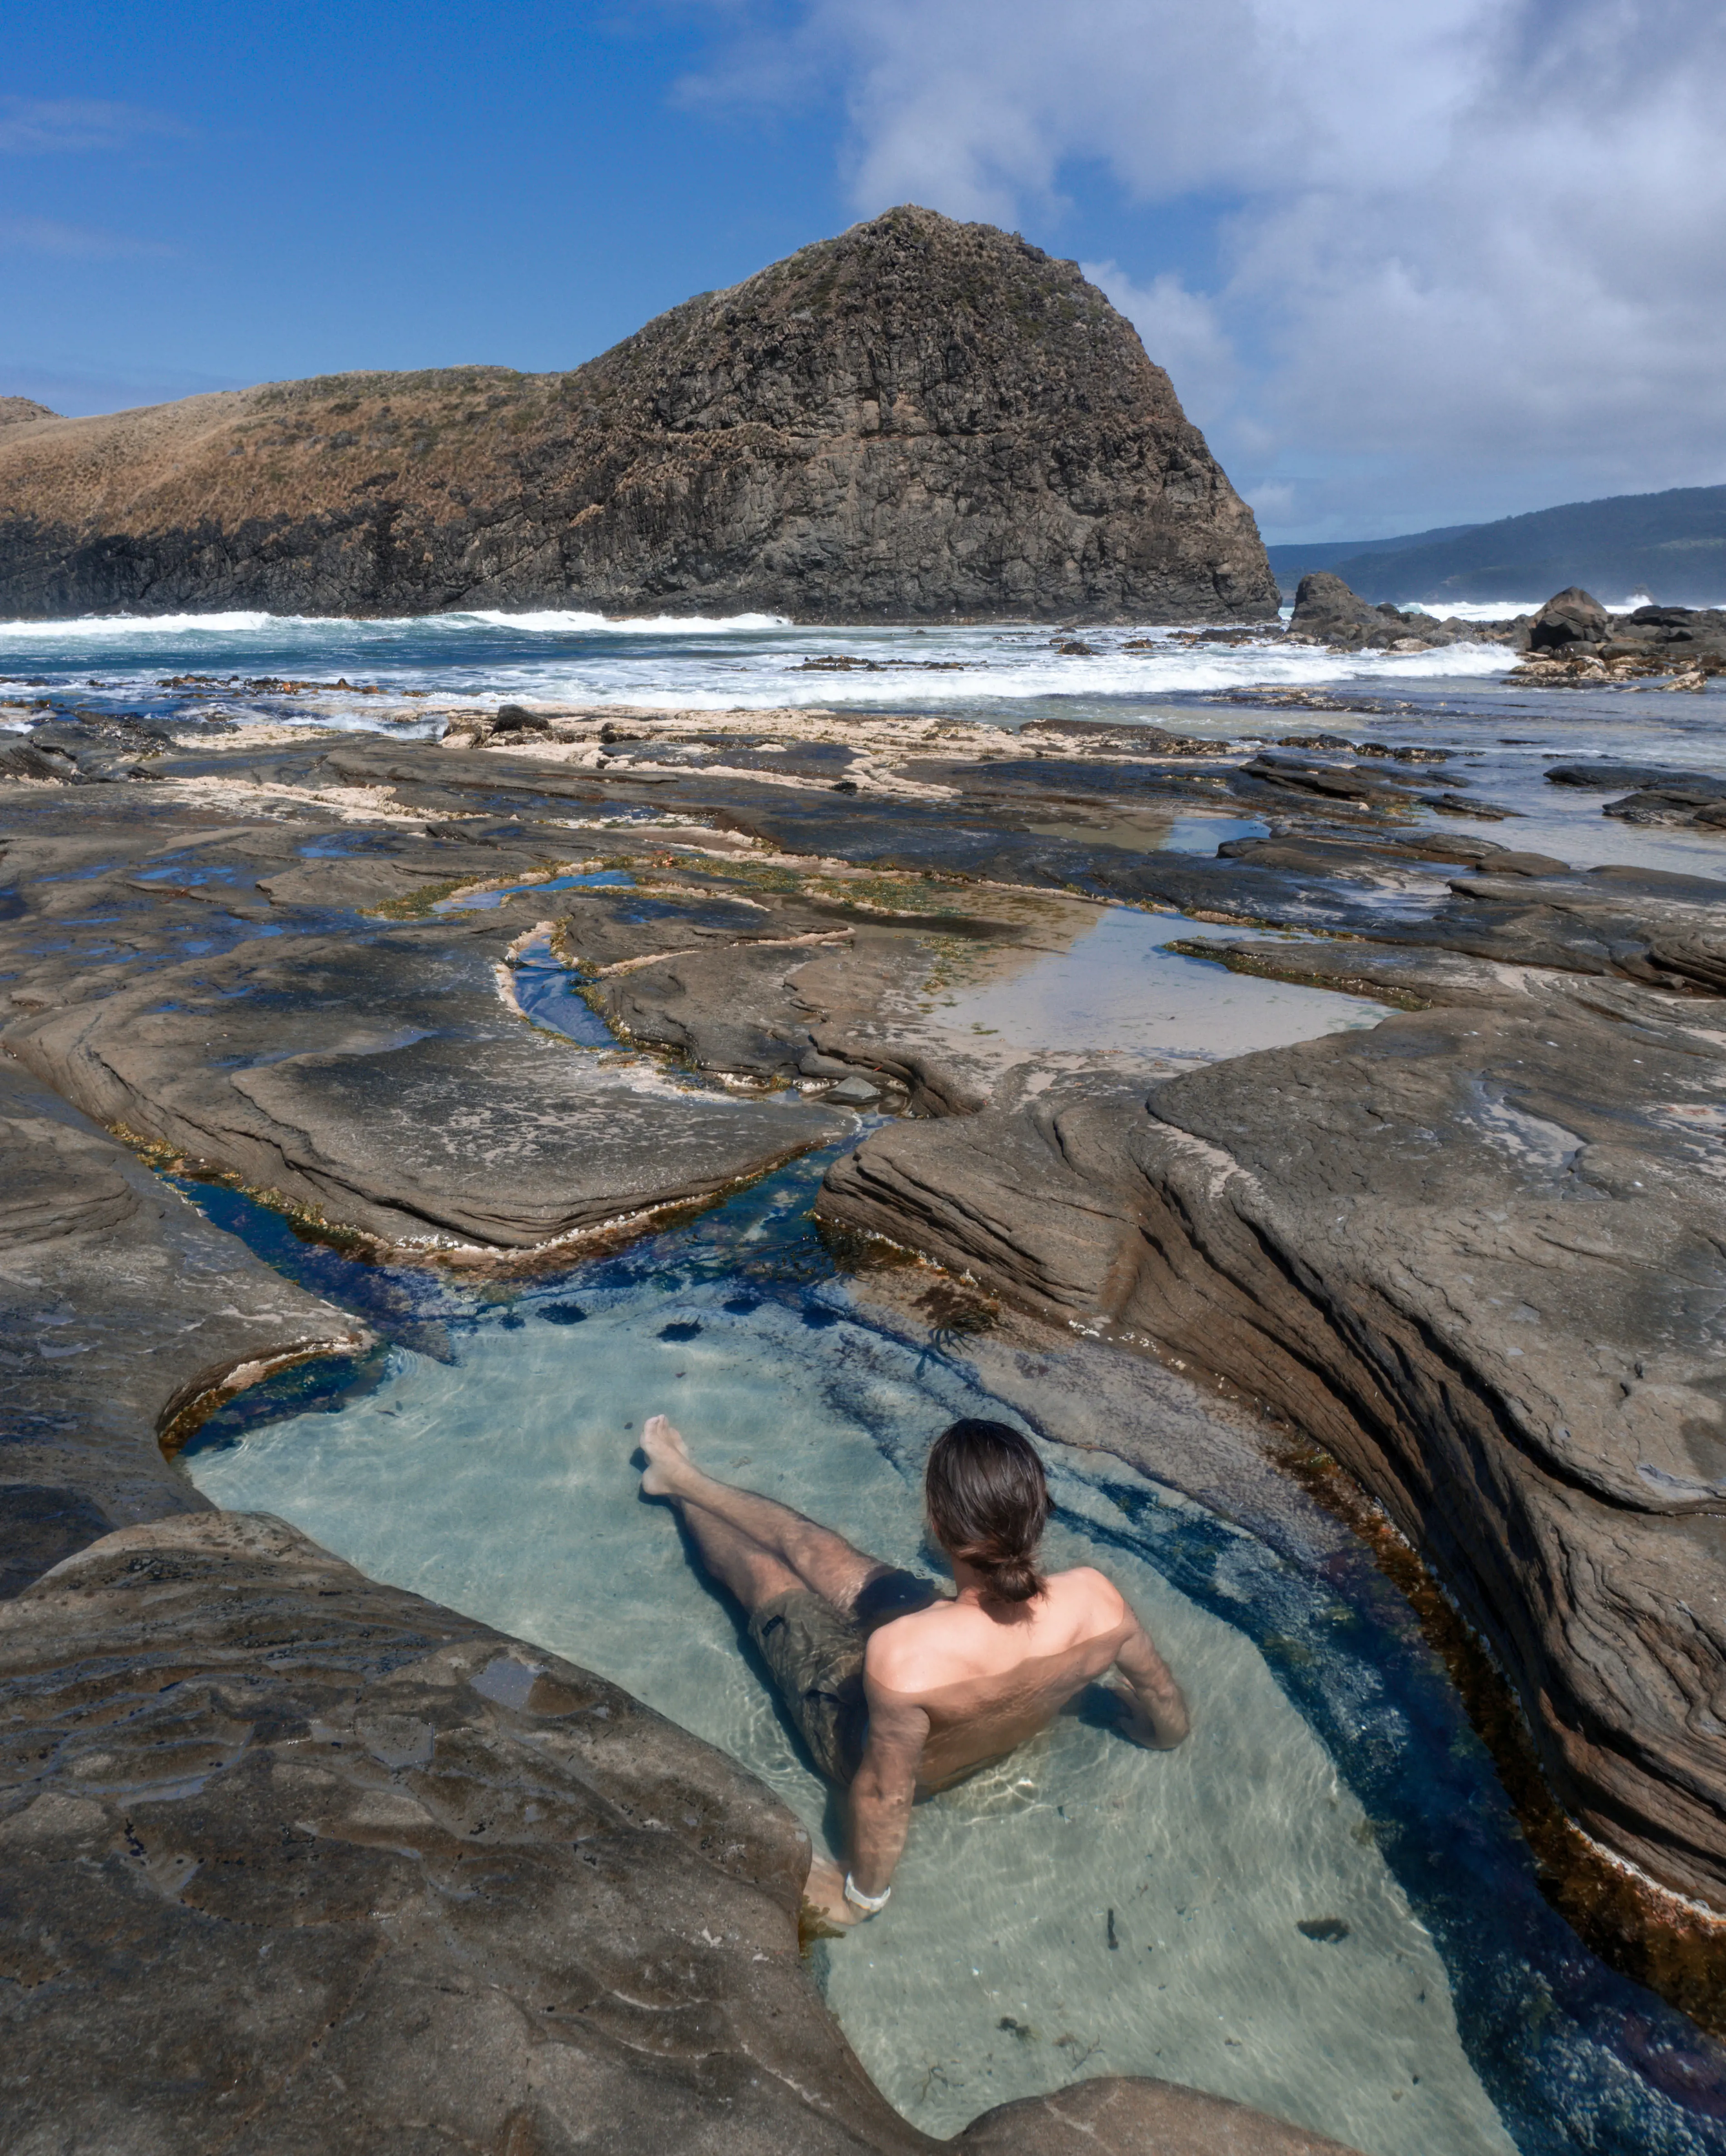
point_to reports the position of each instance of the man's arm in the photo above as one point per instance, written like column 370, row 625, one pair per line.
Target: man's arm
column 878, row 1806
column 882, row 1792
column 1159, row 1716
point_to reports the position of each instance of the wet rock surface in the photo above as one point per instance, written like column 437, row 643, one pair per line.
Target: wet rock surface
column 121, row 1311
column 387, row 1089
column 913, row 420
column 1475, row 1253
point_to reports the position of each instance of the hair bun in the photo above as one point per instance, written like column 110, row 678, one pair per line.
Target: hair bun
column 1014, row 1579
column 988, row 1504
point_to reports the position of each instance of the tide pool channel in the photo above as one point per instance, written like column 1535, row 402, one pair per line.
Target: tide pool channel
column 1320, row 1905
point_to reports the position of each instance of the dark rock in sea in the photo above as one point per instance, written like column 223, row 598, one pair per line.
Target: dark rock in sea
column 916, row 420
column 1699, row 804
column 1474, row 1254
column 1606, row 777
column 1569, row 617
column 1573, row 639
column 1326, row 611
column 1661, row 795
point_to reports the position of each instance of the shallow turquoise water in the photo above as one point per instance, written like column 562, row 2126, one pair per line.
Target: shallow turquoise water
column 1332, row 1780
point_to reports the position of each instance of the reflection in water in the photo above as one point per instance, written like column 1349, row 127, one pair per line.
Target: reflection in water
column 1320, row 1905
column 1118, row 988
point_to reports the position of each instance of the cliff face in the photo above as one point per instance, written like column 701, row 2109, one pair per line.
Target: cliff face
column 917, row 420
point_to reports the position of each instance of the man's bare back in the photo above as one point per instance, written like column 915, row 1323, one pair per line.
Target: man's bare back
column 975, row 1680
column 953, row 1683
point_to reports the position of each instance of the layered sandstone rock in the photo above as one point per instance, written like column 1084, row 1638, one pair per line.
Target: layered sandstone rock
column 916, row 420
column 1475, row 1253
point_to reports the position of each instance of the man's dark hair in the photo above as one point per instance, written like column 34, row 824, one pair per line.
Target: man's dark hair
column 988, row 1504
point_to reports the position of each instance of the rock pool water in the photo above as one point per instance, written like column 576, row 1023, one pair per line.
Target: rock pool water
column 1431, row 2005
column 500, row 1482
column 1118, row 988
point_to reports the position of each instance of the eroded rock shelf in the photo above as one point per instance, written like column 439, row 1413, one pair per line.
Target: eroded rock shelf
column 1472, row 1249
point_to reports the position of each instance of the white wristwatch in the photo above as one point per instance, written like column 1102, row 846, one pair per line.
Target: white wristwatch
column 872, row 1905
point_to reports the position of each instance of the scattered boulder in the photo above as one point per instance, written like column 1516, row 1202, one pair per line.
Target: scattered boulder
column 1327, row 610
column 1573, row 640
column 1569, row 617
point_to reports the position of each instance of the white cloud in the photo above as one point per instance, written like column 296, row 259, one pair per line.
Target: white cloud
column 1478, row 249
column 38, row 127
column 1183, row 332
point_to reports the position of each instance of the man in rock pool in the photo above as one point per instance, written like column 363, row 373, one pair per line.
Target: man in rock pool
column 899, row 1690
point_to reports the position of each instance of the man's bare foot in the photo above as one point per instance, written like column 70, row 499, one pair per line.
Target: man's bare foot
column 666, row 1453
column 823, row 1894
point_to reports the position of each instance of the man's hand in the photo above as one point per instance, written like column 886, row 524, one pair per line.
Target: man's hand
column 1156, row 1714
column 1135, row 1722
column 824, row 1892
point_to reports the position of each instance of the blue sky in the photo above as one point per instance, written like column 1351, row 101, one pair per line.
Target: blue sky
column 1407, row 267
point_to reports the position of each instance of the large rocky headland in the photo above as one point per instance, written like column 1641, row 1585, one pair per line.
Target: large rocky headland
column 914, row 421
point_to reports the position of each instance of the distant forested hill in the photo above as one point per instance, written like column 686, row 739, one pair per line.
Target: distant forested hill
column 1672, row 546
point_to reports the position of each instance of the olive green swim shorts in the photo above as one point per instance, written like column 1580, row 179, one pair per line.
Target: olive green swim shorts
column 814, row 1651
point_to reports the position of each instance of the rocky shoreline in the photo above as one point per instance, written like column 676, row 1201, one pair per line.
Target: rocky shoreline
column 1468, row 1252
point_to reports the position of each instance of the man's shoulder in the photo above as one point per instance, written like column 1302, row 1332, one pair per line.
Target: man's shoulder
column 897, row 1654
column 1085, row 1585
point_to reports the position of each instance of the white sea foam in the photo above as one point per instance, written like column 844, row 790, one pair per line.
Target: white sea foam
column 743, row 662
column 599, row 624
column 117, row 627
column 1444, row 609
column 296, row 626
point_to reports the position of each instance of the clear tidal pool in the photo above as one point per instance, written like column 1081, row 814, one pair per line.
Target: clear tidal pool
column 1321, row 1905
column 1118, row 985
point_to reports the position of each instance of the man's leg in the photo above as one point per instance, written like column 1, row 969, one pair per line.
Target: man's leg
column 786, row 1547
column 752, row 1574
